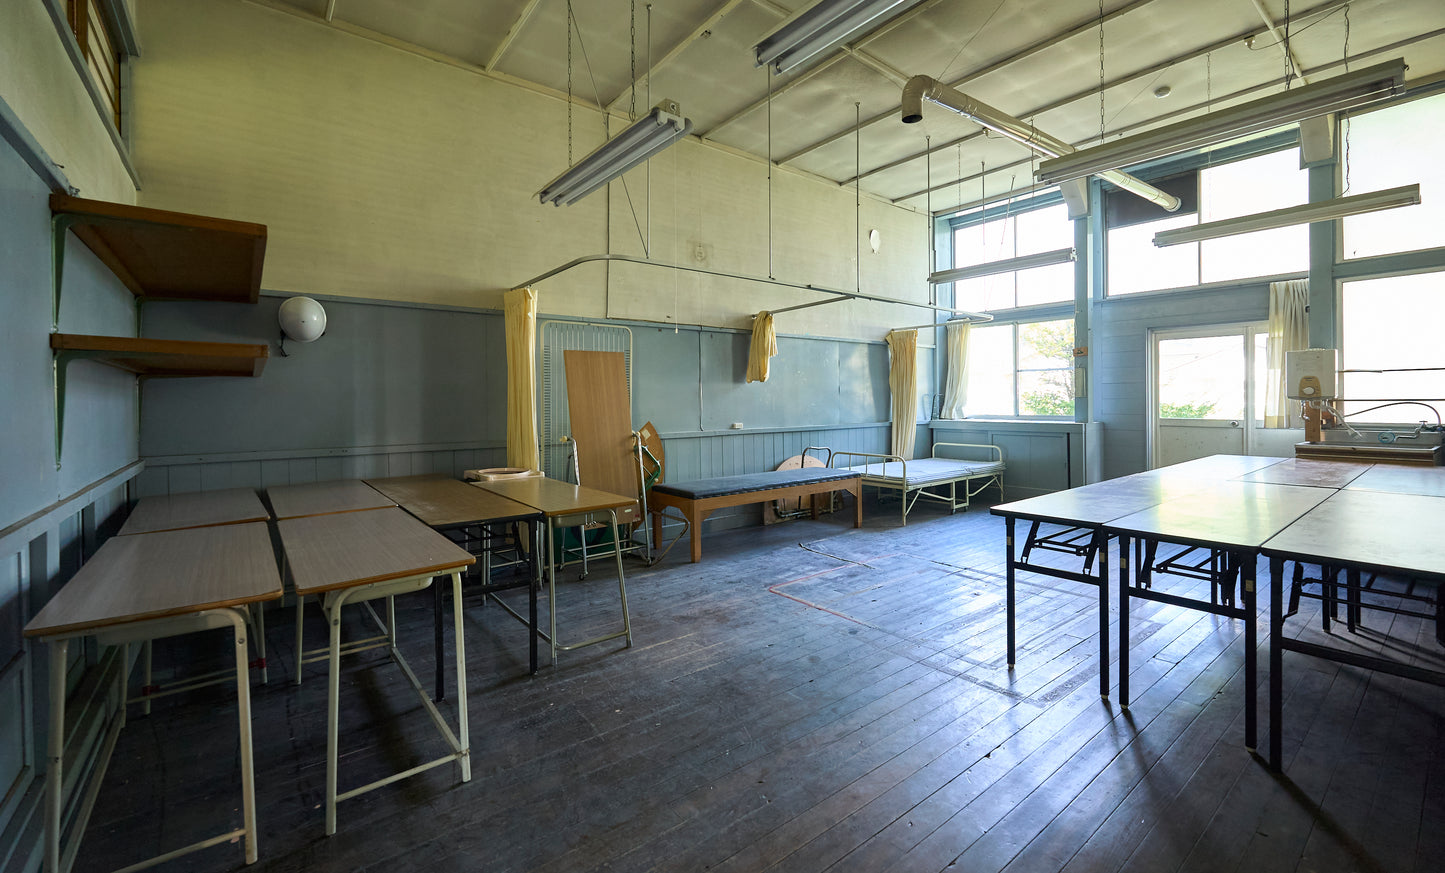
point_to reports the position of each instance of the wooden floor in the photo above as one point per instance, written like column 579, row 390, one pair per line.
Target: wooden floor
column 810, row 697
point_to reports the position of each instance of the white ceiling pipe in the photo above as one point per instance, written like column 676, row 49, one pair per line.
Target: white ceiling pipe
column 920, row 88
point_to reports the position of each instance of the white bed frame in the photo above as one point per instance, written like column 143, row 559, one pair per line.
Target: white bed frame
column 891, row 472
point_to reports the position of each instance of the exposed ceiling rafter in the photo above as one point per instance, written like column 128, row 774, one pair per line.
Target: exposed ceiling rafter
column 512, row 32
column 706, row 27
column 1093, row 91
column 1392, row 48
column 854, row 50
column 1077, row 30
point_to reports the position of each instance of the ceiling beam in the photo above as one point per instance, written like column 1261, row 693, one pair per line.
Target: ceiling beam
column 1390, row 49
column 512, row 33
column 1093, row 90
column 1284, row 47
column 698, row 32
column 1077, row 30
column 854, row 50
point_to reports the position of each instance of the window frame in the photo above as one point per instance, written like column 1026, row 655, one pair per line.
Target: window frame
column 1030, row 315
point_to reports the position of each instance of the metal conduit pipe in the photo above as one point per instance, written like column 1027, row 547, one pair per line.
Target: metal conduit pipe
column 920, row 88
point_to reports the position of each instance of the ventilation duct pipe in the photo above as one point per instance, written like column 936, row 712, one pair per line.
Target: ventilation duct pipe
column 920, row 88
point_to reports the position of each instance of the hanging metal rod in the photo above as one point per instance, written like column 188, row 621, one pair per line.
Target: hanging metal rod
column 852, row 295
column 978, row 316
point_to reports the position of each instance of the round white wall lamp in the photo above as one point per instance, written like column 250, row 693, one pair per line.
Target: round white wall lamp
column 302, row 320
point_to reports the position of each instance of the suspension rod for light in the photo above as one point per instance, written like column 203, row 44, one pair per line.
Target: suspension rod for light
column 821, row 27
column 1338, row 94
column 647, row 136
column 1026, row 262
column 968, row 319
column 920, row 88
column 1325, row 210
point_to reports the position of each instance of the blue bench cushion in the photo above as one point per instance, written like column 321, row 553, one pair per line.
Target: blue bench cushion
column 700, row 489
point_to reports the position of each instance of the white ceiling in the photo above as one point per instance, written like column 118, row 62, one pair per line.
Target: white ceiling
column 1038, row 60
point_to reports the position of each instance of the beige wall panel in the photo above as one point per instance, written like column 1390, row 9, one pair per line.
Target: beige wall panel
column 383, row 174
column 46, row 93
column 710, row 210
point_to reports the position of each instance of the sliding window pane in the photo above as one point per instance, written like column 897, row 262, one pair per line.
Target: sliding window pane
column 1136, row 264
column 1393, row 323
column 990, row 371
column 1399, row 145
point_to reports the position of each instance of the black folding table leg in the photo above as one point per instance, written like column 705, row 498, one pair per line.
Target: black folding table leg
column 1101, row 546
column 1009, row 586
column 533, row 586
column 1124, row 621
column 1276, row 660
column 1251, row 644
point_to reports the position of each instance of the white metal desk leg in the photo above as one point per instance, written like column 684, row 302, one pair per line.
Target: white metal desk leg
column 55, row 751
column 248, row 772
column 621, row 585
column 333, row 695
column 462, row 733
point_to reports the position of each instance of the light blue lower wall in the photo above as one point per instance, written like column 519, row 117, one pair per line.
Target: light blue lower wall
column 50, row 519
column 1120, row 344
column 396, row 389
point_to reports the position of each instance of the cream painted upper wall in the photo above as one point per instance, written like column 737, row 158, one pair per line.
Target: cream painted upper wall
column 46, row 93
column 384, row 174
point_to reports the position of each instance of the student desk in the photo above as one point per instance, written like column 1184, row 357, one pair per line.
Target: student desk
column 326, row 498
column 564, row 506
column 450, row 505
column 354, row 557
column 146, row 587
column 194, row 509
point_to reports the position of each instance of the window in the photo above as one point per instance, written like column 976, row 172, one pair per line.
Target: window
column 1021, row 369
column 1398, row 145
column 1258, row 184
column 1027, row 232
column 102, row 59
column 1392, row 323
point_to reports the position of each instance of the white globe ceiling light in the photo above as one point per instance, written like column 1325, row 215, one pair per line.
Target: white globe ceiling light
column 302, row 319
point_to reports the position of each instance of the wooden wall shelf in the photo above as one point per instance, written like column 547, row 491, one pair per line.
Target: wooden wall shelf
column 154, row 357
column 161, row 255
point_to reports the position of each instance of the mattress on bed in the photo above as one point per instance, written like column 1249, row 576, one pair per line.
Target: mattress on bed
column 924, row 471
column 722, row 486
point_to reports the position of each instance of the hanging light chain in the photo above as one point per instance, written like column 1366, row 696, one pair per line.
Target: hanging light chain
column 1101, row 72
column 569, row 83
column 632, row 70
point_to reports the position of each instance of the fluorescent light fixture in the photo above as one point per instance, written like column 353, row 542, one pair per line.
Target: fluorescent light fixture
column 1349, row 91
column 647, row 136
column 1325, row 210
column 1027, row 262
column 822, row 26
column 920, row 88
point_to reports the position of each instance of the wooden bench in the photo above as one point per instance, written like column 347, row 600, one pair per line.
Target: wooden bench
column 697, row 499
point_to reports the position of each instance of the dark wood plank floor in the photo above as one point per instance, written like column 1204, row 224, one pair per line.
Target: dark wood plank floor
column 811, row 698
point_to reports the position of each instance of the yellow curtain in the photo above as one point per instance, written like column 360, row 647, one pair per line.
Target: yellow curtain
column 955, row 392
column 1289, row 331
column 903, row 385
column 521, row 325
column 764, row 346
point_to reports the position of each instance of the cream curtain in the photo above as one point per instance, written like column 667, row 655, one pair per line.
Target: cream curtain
column 764, row 346
column 1289, row 330
column 521, row 326
column 955, row 392
column 903, row 385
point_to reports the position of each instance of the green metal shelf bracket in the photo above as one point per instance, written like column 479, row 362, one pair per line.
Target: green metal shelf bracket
column 59, row 224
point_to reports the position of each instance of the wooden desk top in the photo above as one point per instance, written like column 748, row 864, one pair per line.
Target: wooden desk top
column 323, row 498
column 555, row 498
column 1229, row 514
column 163, row 574
column 1306, row 471
column 195, row 509
column 440, row 502
column 345, row 549
column 1388, row 533
column 1400, row 479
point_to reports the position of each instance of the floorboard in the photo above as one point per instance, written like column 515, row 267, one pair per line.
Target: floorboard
column 814, row 698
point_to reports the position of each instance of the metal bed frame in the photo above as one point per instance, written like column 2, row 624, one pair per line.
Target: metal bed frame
column 876, row 473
